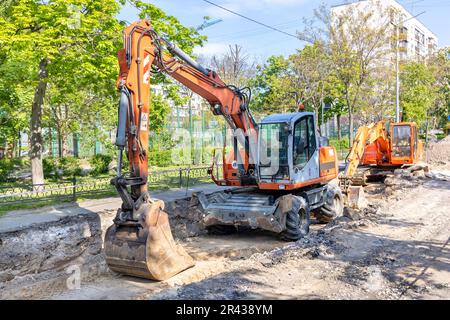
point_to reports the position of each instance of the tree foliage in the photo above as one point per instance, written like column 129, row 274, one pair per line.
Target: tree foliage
column 271, row 87
column 74, row 44
column 418, row 92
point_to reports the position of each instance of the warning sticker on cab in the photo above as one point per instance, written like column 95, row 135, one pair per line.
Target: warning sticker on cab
column 144, row 122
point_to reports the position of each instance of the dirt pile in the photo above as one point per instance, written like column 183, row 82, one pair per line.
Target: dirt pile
column 42, row 258
column 185, row 218
column 439, row 153
column 238, row 282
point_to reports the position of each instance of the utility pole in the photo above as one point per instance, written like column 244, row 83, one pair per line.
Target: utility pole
column 322, row 125
column 397, row 65
column 397, row 75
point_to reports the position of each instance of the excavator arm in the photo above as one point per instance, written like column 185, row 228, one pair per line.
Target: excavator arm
column 145, row 49
column 140, row 242
column 364, row 136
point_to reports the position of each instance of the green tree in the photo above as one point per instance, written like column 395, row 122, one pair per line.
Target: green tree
column 334, row 90
column 418, row 92
column 67, row 49
column 271, row 87
column 357, row 48
column 311, row 68
column 440, row 63
column 57, row 37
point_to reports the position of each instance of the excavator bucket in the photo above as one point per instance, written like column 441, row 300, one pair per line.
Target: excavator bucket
column 146, row 249
column 356, row 198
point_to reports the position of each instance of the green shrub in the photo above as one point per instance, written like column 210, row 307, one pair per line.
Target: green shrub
column 50, row 166
column 339, row 144
column 70, row 166
column 6, row 167
column 100, row 163
column 161, row 158
column 61, row 167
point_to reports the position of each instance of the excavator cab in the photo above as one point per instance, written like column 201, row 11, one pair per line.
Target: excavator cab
column 292, row 154
column 405, row 145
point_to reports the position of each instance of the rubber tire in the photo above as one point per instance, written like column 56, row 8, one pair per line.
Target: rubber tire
column 297, row 221
column 333, row 206
column 221, row 230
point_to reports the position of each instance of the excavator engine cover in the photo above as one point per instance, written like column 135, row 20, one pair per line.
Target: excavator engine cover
column 146, row 248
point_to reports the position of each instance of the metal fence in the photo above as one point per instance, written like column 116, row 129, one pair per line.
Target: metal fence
column 70, row 190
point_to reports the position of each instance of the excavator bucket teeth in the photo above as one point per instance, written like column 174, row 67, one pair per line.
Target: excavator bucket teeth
column 146, row 249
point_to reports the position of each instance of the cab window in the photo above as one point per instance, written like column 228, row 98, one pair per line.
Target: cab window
column 401, row 141
column 304, row 141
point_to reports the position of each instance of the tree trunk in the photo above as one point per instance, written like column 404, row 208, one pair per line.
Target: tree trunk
column 190, row 126
column 50, row 144
column 316, row 118
column 37, row 172
column 65, row 143
column 60, row 144
column 14, row 149
column 350, row 126
column 20, row 144
column 75, row 144
column 338, row 121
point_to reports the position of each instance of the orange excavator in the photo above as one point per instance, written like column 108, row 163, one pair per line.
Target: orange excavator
column 283, row 167
column 379, row 148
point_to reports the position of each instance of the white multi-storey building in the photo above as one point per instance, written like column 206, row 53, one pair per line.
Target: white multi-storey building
column 416, row 40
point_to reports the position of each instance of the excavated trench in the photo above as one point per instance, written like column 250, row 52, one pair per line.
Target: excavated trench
column 46, row 259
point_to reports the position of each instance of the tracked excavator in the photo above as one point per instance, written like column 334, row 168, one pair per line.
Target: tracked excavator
column 378, row 149
column 280, row 171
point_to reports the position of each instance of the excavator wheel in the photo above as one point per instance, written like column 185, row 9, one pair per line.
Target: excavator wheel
column 297, row 220
column 146, row 248
column 221, row 230
column 333, row 206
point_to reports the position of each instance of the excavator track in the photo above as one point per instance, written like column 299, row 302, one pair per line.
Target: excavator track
column 360, row 177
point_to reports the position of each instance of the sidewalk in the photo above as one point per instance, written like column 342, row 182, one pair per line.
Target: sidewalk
column 21, row 219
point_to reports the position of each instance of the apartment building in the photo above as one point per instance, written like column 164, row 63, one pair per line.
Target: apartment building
column 416, row 41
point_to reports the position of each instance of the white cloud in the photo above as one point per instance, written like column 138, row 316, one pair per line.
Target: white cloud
column 211, row 48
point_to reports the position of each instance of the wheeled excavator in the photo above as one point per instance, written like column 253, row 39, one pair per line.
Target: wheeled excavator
column 280, row 171
column 379, row 148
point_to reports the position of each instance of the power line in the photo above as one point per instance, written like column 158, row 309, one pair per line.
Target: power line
column 288, row 24
column 252, row 20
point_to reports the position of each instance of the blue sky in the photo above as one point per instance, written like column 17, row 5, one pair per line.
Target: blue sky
column 287, row 15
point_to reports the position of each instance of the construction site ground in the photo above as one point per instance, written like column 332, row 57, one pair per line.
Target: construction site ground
column 396, row 248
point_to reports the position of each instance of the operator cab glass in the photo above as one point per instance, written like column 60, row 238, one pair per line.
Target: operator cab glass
column 273, row 160
column 401, row 141
column 304, row 141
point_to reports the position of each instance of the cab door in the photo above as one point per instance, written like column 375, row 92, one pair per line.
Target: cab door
column 402, row 144
column 305, row 157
